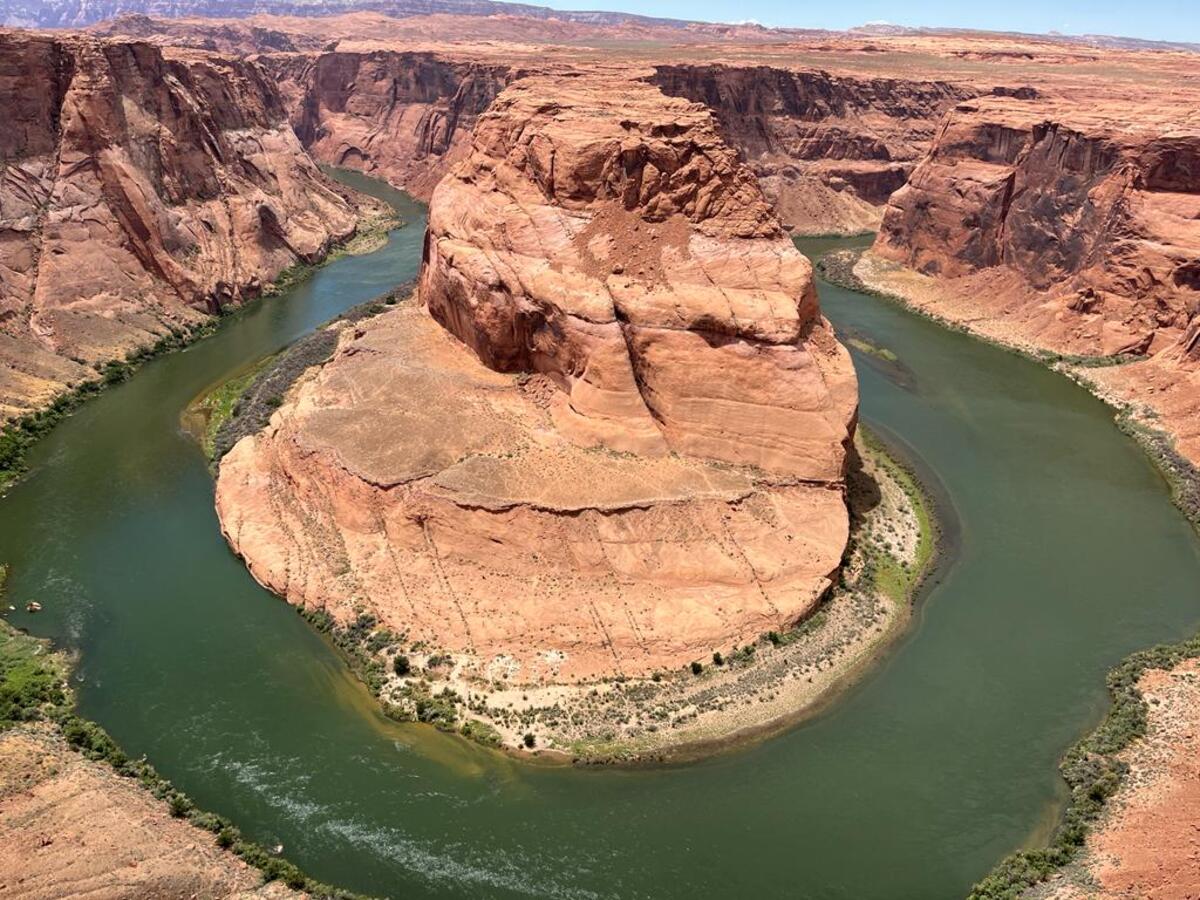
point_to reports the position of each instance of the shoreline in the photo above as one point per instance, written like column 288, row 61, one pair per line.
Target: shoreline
column 39, row 711
column 19, row 435
column 704, row 708
column 718, row 730
column 1181, row 475
column 1092, row 769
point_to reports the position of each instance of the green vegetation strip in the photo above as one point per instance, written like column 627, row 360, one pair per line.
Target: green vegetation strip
column 19, row 435
column 362, row 644
column 33, row 687
column 1093, row 772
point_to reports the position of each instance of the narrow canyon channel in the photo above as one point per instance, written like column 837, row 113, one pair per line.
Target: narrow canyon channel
column 1064, row 554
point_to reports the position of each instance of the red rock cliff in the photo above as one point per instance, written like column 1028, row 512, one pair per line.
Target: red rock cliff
column 141, row 189
column 1094, row 213
column 406, row 117
column 610, row 239
column 828, row 149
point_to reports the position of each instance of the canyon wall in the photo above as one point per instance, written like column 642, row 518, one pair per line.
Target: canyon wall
column 1070, row 226
column 142, row 189
column 402, row 116
column 77, row 13
column 611, row 439
column 1093, row 217
column 828, row 149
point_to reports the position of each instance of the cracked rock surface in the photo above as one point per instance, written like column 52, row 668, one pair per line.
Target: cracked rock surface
column 608, row 438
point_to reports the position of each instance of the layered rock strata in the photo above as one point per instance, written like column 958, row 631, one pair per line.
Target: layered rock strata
column 828, row 149
column 71, row 827
column 1095, row 215
column 402, row 116
column 142, row 189
column 613, row 437
column 1068, row 227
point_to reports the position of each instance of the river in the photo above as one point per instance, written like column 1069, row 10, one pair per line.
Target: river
column 1067, row 555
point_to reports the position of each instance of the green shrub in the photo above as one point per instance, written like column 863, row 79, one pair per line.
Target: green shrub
column 400, row 665
column 481, row 733
column 1092, row 770
column 529, row 739
column 697, row 667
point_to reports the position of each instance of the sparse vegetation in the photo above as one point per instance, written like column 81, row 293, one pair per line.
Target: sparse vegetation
column 19, row 435
column 245, row 403
column 1093, row 773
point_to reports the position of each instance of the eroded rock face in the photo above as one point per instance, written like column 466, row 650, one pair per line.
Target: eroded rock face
column 617, row 245
column 636, row 458
column 402, row 116
column 829, row 150
column 1092, row 216
column 142, row 188
column 71, row 827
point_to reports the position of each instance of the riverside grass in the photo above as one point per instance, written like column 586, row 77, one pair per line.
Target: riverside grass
column 18, row 436
column 1093, row 772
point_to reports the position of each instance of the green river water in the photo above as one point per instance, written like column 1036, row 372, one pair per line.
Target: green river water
column 1066, row 555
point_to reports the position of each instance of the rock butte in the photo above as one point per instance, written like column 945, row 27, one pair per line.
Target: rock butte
column 664, row 475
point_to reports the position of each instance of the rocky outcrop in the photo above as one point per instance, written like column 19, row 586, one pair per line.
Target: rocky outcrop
column 405, row 117
column 142, row 189
column 1067, row 226
column 222, row 36
column 638, row 455
column 1086, row 220
column 612, row 244
column 829, row 149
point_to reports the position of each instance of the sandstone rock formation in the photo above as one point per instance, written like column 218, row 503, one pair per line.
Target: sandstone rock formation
column 142, row 188
column 1065, row 225
column 1091, row 214
column 638, row 455
column 613, row 244
column 402, row 116
column 829, row 149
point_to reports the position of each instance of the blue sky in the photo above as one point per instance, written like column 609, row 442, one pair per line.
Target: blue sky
column 1176, row 20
